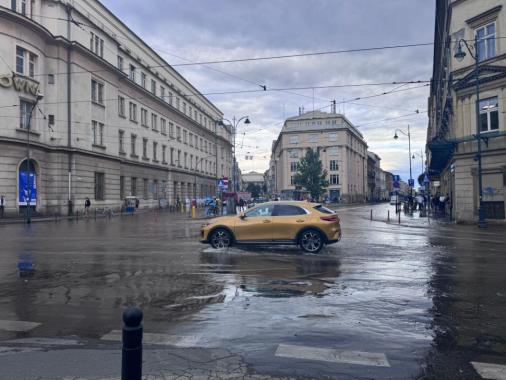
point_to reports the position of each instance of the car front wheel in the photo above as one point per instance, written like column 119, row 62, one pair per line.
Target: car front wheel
column 220, row 238
column 311, row 241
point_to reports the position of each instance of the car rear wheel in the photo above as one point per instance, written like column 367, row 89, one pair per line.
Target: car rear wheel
column 220, row 238
column 311, row 241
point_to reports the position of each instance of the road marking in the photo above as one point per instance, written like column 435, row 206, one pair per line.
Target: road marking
column 161, row 339
column 331, row 355
column 490, row 371
column 46, row 341
column 17, row 326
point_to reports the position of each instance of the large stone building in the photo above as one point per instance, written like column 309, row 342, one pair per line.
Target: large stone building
column 451, row 136
column 115, row 119
column 342, row 149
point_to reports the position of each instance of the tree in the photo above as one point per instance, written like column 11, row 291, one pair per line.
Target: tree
column 254, row 190
column 311, row 175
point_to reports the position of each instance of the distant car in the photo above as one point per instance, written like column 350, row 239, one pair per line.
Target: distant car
column 309, row 225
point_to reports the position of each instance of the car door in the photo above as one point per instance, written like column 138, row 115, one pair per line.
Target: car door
column 255, row 225
column 287, row 221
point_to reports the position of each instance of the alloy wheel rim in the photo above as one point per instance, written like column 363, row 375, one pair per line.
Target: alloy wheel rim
column 311, row 241
column 221, row 239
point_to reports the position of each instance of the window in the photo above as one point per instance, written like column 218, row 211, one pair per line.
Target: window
column 25, row 62
column 121, row 136
column 99, row 186
column 178, row 133
column 489, row 115
column 163, row 126
column 164, row 154
column 191, row 139
column 143, row 80
column 288, row 210
column 133, row 140
column 293, row 167
column 133, row 186
column 171, row 130
column 313, row 138
column 333, row 165
column 121, row 187
column 25, row 108
column 154, row 122
column 260, row 211
column 155, row 189
column 333, row 137
column 133, row 111
column 121, row 106
column 191, row 161
column 155, row 151
column 170, row 98
column 120, row 63
column 145, row 183
column 162, row 92
column 485, row 38
column 294, row 139
column 184, row 108
column 190, row 110
column 172, row 156
column 97, row 92
column 201, row 144
column 334, row 179
column 50, row 79
column 96, row 44
column 293, row 153
column 205, row 146
column 145, row 148
column 132, row 73
column 153, row 86
column 179, row 158
column 185, row 160
column 98, row 132
column 292, row 180
column 177, row 103
column 144, row 117
column 185, row 137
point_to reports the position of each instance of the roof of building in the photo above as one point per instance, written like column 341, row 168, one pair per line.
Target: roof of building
column 312, row 115
column 253, row 177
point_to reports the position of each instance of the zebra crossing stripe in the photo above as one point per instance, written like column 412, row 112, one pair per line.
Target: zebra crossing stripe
column 17, row 326
column 490, row 371
column 155, row 338
column 332, row 355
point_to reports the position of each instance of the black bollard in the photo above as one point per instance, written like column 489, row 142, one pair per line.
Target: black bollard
column 131, row 361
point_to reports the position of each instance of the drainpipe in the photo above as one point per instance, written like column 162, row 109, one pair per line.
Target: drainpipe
column 69, row 109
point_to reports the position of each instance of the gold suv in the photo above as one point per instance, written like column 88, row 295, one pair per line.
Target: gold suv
column 309, row 225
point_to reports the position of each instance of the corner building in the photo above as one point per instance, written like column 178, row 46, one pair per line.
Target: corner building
column 115, row 118
column 342, row 150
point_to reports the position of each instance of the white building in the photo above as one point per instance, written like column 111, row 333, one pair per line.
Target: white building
column 115, row 119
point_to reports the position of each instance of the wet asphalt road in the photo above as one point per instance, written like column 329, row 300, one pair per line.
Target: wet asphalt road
column 409, row 301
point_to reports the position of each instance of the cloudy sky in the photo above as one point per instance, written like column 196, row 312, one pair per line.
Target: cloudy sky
column 205, row 30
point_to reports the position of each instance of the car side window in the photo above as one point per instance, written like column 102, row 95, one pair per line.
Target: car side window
column 260, row 211
column 288, row 210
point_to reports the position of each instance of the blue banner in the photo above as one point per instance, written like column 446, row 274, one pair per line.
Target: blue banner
column 27, row 188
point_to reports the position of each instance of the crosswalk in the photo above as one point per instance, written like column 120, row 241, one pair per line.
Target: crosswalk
column 490, row 371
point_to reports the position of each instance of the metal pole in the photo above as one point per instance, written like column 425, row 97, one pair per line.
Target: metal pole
column 410, row 170
column 131, row 358
column 482, row 223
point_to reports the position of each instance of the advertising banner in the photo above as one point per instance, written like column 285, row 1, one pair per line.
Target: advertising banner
column 23, row 188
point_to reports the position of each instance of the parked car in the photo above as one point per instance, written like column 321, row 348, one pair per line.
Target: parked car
column 309, row 225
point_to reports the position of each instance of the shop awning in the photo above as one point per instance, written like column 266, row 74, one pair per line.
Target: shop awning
column 441, row 154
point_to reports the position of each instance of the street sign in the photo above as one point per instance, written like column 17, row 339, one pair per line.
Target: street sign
column 426, row 180
column 223, row 183
column 396, row 185
column 411, row 182
column 396, row 178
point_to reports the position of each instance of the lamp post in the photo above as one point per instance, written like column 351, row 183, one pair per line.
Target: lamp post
column 421, row 156
column 459, row 56
column 28, row 194
column 234, row 124
column 409, row 144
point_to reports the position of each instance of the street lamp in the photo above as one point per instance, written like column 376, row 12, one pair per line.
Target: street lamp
column 28, row 194
column 409, row 144
column 234, row 124
column 421, row 156
column 459, row 56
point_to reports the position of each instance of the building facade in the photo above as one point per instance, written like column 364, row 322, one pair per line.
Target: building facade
column 254, row 179
column 115, row 119
column 375, row 182
column 342, row 150
column 452, row 132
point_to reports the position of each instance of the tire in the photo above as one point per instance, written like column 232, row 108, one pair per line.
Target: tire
column 220, row 238
column 311, row 241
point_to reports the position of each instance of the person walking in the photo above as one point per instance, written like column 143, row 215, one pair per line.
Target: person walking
column 2, row 206
column 241, row 205
column 87, row 205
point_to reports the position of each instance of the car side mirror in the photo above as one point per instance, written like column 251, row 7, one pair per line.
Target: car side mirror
column 242, row 216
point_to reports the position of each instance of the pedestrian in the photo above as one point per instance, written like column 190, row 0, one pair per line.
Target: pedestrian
column 442, row 204
column 136, row 202
column 2, row 206
column 241, row 205
column 87, row 205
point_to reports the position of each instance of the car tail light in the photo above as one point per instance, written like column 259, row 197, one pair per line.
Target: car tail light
column 329, row 218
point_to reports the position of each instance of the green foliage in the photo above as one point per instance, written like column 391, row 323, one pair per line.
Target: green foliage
column 254, row 189
column 311, row 175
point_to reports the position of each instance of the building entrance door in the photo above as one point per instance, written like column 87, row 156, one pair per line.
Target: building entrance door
column 334, row 195
column 27, row 185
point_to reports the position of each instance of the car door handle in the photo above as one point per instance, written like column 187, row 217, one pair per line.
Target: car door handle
column 267, row 221
column 300, row 221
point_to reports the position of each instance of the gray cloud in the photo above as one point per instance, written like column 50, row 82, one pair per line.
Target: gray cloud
column 224, row 29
